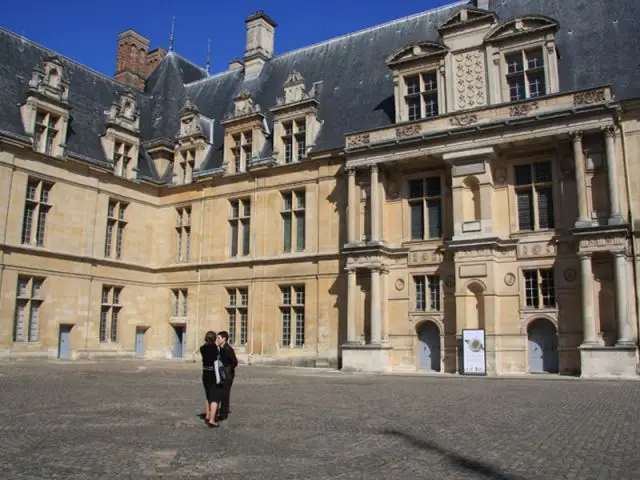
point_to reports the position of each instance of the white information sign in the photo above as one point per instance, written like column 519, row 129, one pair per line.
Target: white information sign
column 474, row 359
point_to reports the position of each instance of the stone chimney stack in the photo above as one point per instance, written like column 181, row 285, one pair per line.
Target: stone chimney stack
column 260, row 42
column 483, row 4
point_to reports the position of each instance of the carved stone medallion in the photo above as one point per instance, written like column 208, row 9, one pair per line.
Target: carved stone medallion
column 399, row 284
column 569, row 274
column 509, row 279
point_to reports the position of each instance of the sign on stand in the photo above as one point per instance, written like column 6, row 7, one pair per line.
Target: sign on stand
column 474, row 355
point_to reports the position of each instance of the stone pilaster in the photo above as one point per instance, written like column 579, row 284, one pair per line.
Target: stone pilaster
column 623, row 319
column 376, row 325
column 375, row 204
column 615, row 217
column 351, row 306
column 352, row 206
column 590, row 336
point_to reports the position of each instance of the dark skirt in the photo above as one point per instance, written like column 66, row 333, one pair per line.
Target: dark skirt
column 214, row 392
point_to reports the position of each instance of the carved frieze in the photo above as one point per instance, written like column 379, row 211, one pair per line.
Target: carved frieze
column 425, row 257
column 358, row 140
column 485, row 252
column 540, row 249
column 588, row 98
column 470, row 80
column 611, row 243
column 409, row 130
column 463, row 120
column 523, row 109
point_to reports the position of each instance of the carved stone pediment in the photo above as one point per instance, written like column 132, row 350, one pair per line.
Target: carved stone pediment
column 244, row 106
column 190, row 121
column 49, row 80
column 467, row 16
column 124, row 113
column 416, row 51
column 295, row 90
column 520, row 26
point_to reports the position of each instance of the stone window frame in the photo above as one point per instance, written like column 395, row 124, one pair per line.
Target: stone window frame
column 237, row 309
column 185, row 164
column 30, row 111
column 298, row 138
column 179, row 302
column 541, row 308
column 116, row 226
column 31, row 299
column 440, row 92
column 240, row 241
column 110, row 310
column 291, row 307
column 413, row 292
column 183, row 233
column 239, row 155
column 112, row 139
column 37, row 206
column 445, row 210
column 298, row 217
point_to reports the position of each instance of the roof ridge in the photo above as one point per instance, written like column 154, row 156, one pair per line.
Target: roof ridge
column 66, row 58
column 215, row 75
column 182, row 57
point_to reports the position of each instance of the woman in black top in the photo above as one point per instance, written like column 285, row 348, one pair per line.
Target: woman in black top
column 212, row 388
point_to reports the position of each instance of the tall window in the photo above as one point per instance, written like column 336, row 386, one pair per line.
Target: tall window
column 240, row 222
column 36, row 209
column 115, row 229
column 242, row 151
column 539, row 288
column 292, row 315
column 294, row 141
column 187, row 165
column 26, row 326
column 525, row 74
column 45, row 132
column 122, row 156
column 293, row 218
column 110, row 313
column 534, row 196
column 427, row 291
column 238, row 315
column 425, row 206
column 183, row 234
column 180, row 302
column 421, row 95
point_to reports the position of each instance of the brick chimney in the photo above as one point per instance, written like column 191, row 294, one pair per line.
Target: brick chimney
column 260, row 41
column 131, row 60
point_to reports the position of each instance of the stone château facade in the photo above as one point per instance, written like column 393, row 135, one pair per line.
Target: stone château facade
column 357, row 203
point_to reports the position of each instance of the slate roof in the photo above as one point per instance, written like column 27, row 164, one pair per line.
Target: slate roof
column 597, row 43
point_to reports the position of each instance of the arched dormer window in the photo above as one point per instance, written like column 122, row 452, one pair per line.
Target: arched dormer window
column 419, row 80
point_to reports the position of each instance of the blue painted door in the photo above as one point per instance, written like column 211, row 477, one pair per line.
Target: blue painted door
column 429, row 345
column 64, row 341
column 179, row 342
column 543, row 347
column 139, row 342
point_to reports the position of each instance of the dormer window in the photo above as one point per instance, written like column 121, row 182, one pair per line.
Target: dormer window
column 294, row 141
column 186, row 165
column 421, row 95
column 526, row 74
column 242, row 150
column 122, row 156
column 45, row 132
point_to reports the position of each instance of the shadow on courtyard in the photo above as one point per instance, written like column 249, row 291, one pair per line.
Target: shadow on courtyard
column 459, row 462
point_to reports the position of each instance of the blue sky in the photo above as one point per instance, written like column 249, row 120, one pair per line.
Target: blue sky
column 88, row 32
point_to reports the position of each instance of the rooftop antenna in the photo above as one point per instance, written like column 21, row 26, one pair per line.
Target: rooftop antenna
column 172, row 36
column 208, row 65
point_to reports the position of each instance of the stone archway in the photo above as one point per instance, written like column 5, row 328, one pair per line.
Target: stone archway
column 429, row 355
column 542, row 339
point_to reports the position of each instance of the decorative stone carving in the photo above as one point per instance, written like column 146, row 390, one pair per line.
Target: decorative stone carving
column 358, row 140
column 295, row 90
column 450, row 281
column 528, row 250
column 500, row 176
column 393, row 190
column 399, row 284
column 408, row 130
column 49, row 80
column 613, row 243
column 566, row 167
column 189, row 124
column 609, row 131
column 425, row 257
column 244, row 105
column 523, row 109
column 463, row 120
column 588, row 98
column 123, row 112
column 470, row 80
column 509, row 279
column 570, row 275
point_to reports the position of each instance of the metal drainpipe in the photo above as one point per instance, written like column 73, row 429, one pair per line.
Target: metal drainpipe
column 625, row 159
column 253, row 252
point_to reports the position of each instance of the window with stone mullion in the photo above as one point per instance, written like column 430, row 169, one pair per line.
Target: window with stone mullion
column 292, row 316
column 26, row 327
column 539, row 288
column 534, row 196
column 425, row 205
column 526, row 74
column 36, row 210
column 109, row 313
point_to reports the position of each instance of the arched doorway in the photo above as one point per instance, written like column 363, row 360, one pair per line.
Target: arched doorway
column 543, row 346
column 429, row 347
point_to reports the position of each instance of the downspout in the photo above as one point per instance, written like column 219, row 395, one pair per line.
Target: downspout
column 199, row 271
column 254, row 204
column 625, row 159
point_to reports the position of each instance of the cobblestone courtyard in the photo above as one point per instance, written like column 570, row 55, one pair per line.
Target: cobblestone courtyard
column 134, row 420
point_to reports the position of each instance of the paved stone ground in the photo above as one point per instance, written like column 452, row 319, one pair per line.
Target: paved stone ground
column 138, row 420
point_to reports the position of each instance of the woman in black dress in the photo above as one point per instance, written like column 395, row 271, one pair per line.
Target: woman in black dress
column 212, row 388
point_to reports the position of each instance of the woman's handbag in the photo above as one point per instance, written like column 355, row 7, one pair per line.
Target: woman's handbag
column 218, row 367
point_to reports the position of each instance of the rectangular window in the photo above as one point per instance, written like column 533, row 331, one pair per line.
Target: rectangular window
column 110, row 313
column 292, row 309
column 539, row 288
column 241, row 151
column 294, row 140
column 534, row 196
column 427, row 293
column 186, row 165
column 240, row 223
column 122, row 156
column 36, row 210
column 421, row 96
column 45, row 132
column 425, row 208
column 179, row 302
column 26, row 326
column 526, row 74
column 116, row 223
column 238, row 308
column 183, row 234
column 293, row 220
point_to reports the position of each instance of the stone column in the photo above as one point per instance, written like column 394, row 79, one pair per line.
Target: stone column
column 615, row 218
column 376, row 326
column 352, row 206
column 351, row 305
column 623, row 319
column 584, row 219
column 588, row 312
column 385, row 306
column 375, row 207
